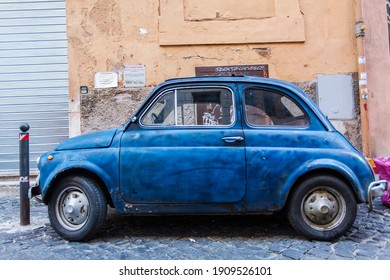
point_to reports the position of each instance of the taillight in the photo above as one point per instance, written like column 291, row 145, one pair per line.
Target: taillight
column 373, row 166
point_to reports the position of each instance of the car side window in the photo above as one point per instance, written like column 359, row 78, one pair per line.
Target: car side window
column 265, row 108
column 162, row 112
column 192, row 107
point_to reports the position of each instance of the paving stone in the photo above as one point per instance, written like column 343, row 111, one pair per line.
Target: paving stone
column 292, row 254
column 319, row 253
column 384, row 253
column 309, row 257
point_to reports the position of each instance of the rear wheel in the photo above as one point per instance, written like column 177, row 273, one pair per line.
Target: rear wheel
column 322, row 208
column 77, row 208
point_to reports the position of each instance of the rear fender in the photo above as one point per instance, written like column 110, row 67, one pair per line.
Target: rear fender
column 325, row 167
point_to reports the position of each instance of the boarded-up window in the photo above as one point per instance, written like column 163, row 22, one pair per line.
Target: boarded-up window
column 193, row 22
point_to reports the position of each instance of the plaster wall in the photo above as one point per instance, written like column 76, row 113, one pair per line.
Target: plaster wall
column 103, row 34
column 298, row 39
column 378, row 72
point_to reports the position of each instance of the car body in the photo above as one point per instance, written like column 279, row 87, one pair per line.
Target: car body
column 211, row 145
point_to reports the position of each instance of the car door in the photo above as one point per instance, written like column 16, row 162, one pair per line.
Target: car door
column 279, row 135
column 186, row 147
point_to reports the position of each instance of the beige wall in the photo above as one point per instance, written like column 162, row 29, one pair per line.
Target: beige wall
column 106, row 33
column 378, row 75
column 298, row 39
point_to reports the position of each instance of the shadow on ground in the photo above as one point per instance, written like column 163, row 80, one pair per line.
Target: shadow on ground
column 197, row 226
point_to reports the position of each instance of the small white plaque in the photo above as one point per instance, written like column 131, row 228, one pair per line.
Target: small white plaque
column 106, row 80
column 134, row 76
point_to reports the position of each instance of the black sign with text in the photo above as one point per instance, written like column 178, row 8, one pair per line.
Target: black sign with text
column 260, row 70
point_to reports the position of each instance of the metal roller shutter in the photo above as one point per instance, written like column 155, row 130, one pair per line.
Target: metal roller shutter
column 33, row 78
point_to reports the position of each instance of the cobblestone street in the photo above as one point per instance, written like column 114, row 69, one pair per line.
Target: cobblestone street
column 189, row 238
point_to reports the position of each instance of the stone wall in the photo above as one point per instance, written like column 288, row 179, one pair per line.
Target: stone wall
column 109, row 108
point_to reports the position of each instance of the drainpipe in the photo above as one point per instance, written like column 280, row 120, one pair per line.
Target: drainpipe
column 363, row 90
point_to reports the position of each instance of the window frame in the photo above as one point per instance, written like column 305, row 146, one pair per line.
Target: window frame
column 282, row 94
column 175, row 92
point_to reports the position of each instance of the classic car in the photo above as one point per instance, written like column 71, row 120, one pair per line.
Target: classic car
column 212, row 145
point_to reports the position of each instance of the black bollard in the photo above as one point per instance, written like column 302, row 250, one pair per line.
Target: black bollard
column 24, row 168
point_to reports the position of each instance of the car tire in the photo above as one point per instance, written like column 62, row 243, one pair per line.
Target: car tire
column 77, row 208
column 322, row 208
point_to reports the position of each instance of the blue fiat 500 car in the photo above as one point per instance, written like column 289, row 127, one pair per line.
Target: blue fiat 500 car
column 211, row 145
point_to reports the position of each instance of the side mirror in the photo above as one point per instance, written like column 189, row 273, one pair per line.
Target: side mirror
column 133, row 119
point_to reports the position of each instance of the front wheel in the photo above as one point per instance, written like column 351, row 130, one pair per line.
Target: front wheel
column 322, row 208
column 77, row 208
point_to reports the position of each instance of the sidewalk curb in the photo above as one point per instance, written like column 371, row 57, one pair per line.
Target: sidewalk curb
column 9, row 190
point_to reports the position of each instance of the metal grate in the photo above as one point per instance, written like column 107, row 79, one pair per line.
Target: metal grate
column 33, row 78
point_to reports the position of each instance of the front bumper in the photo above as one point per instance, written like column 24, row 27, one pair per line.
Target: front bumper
column 35, row 191
column 376, row 189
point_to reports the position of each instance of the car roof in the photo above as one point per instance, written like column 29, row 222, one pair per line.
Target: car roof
column 235, row 79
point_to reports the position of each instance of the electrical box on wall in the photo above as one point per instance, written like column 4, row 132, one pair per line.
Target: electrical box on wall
column 335, row 96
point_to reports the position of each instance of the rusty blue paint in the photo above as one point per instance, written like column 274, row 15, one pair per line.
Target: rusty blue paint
column 100, row 139
column 190, row 169
column 188, row 166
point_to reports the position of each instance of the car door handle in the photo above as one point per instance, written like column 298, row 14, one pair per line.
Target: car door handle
column 232, row 139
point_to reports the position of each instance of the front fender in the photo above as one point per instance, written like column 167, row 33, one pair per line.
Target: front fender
column 70, row 163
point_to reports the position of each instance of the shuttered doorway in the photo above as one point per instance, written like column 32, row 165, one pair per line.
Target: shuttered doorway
column 33, row 78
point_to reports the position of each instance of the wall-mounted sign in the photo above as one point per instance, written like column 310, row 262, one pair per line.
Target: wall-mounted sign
column 134, row 76
column 106, row 80
column 260, row 70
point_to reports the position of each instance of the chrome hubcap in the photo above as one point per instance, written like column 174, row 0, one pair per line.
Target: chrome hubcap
column 75, row 207
column 72, row 209
column 323, row 209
